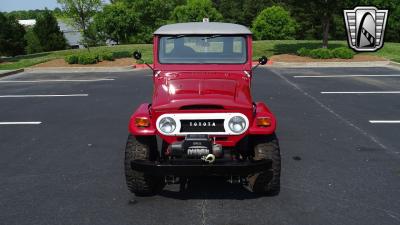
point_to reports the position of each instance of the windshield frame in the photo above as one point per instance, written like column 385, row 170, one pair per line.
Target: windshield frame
column 245, row 42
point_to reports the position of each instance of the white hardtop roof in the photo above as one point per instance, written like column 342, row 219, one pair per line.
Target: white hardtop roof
column 202, row 28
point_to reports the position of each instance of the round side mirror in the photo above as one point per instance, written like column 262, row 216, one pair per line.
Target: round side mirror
column 137, row 55
column 263, row 60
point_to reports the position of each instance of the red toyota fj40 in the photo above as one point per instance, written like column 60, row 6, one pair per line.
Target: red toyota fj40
column 202, row 120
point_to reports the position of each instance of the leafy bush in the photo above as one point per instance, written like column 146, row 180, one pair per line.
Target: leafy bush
column 122, row 54
column 71, row 59
column 274, row 23
column 321, row 53
column 303, row 52
column 108, row 56
column 324, row 53
column 343, row 53
column 88, row 59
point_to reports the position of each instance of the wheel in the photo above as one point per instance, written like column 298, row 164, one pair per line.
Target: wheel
column 141, row 148
column 266, row 182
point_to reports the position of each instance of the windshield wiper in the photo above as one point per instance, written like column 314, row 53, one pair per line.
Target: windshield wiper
column 211, row 37
column 176, row 37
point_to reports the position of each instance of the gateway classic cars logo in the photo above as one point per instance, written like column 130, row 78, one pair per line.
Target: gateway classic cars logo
column 365, row 28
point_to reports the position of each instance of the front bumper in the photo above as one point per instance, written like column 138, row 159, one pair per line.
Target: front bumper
column 197, row 168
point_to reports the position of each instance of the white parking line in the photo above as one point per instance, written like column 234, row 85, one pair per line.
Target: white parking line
column 46, row 81
column 346, row 76
column 360, row 92
column 41, row 96
column 385, row 121
column 21, row 123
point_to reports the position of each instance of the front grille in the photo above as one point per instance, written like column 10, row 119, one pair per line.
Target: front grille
column 188, row 126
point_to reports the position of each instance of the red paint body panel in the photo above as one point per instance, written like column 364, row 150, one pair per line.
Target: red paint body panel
column 177, row 87
column 142, row 111
column 174, row 90
column 262, row 111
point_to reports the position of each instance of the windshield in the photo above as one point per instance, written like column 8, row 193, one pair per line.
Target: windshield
column 212, row 49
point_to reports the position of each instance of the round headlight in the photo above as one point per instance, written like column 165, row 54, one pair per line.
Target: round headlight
column 237, row 124
column 167, row 125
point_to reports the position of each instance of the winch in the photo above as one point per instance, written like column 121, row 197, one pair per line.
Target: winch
column 196, row 146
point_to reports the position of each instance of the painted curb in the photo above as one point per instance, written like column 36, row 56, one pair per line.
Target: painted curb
column 141, row 66
column 394, row 64
column 12, row 72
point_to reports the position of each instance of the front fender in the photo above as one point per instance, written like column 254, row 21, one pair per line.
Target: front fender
column 142, row 111
column 262, row 111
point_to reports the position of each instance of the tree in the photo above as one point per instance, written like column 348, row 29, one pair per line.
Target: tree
column 12, row 40
column 116, row 22
column 25, row 14
column 274, row 23
column 232, row 11
column 195, row 11
column 252, row 8
column 152, row 14
column 243, row 11
column 81, row 13
column 48, row 32
column 33, row 42
column 321, row 12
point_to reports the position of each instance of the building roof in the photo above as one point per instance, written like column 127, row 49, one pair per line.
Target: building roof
column 27, row 22
column 202, row 28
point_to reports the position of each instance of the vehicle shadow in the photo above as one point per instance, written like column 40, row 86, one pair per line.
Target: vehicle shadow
column 211, row 188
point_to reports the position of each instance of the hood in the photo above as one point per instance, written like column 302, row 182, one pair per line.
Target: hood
column 217, row 93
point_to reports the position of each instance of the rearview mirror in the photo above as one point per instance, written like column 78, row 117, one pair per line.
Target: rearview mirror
column 137, row 55
column 263, row 60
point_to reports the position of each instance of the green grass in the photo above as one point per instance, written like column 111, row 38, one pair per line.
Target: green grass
column 30, row 60
column 390, row 51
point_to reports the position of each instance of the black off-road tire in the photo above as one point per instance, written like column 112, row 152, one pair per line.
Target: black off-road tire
column 266, row 182
column 139, row 183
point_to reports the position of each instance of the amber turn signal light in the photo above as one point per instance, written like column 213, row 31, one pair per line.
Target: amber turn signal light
column 142, row 122
column 263, row 121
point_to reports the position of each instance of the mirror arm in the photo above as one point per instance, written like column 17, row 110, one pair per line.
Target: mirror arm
column 255, row 67
column 148, row 65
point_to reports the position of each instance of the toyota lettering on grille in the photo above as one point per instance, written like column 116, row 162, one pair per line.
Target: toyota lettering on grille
column 207, row 125
column 202, row 124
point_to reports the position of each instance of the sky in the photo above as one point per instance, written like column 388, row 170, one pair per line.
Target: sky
column 12, row 5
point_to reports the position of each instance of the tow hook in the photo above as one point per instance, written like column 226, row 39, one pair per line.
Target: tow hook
column 210, row 158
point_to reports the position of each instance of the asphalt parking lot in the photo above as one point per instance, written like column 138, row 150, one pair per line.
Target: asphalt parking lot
column 62, row 138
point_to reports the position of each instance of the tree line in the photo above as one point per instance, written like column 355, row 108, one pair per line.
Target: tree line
column 44, row 36
column 133, row 21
